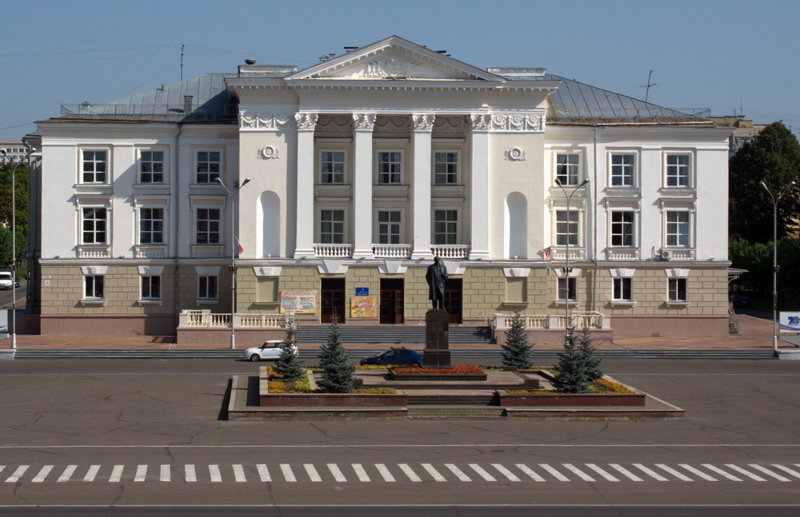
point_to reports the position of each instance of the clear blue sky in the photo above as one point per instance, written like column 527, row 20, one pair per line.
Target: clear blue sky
column 727, row 55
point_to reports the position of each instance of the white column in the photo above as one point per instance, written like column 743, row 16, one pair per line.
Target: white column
column 304, row 244
column 479, row 189
column 363, row 124
column 421, row 186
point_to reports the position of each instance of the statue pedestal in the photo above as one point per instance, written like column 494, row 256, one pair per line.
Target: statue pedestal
column 437, row 351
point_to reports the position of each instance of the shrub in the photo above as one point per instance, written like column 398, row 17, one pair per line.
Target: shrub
column 517, row 351
column 289, row 365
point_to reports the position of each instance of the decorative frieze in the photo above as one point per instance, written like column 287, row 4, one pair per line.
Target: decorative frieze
column 364, row 121
column 528, row 122
column 306, row 121
column 481, row 122
column 266, row 121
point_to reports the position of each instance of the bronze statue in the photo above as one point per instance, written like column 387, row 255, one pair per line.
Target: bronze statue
column 437, row 278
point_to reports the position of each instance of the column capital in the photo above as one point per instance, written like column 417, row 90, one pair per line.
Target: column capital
column 423, row 121
column 306, row 121
column 364, row 121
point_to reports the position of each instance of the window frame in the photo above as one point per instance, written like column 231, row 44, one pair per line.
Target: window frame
column 332, row 233
column 571, row 288
column 400, row 167
column 197, row 162
column 668, row 234
column 578, row 234
column 673, row 294
column 82, row 165
column 578, row 155
column 146, row 286
column 400, row 225
column 141, row 162
column 94, row 287
column 634, row 183
column 321, row 172
column 456, row 176
column 618, row 289
column 689, row 174
column 632, row 225
column 197, row 231
column 456, row 234
column 141, row 225
column 203, row 286
column 94, row 231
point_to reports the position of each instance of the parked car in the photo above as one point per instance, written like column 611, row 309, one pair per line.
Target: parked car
column 6, row 280
column 270, row 350
column 740, row 301
column 400, row 356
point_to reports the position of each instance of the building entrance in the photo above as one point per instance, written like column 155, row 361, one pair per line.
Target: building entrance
column 392, row 300
column 453, row 299
column 333, row 300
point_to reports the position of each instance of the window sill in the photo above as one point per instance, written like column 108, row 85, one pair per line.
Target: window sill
column 676, row 303
column 92, row 303
column 158, row 302
column 266, row 304
column 622, row 303
column 562, row 303
column 206, row 301
column 521, row 305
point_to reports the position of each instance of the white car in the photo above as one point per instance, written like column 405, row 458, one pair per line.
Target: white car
column 269, row 350
column 6, row 280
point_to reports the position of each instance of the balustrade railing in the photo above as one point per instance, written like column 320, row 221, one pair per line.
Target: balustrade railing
column 578, row 320
column 450, row 251
column 150, row 251
column 94, row 251
column 207, row 319
column 391, row 250
column 333, row 250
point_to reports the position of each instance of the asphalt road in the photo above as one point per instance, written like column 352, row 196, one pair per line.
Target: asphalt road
column 146, row 437
column 5, row 297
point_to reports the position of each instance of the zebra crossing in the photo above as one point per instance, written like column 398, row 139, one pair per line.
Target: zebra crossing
column 212, row 473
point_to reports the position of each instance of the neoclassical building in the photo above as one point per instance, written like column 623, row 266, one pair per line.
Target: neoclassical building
column 326, row 192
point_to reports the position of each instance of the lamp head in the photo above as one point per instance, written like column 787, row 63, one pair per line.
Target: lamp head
column 244, row 182
column 558, row 182
column 584, row 182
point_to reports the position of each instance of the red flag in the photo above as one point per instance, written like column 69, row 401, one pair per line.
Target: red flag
column 241, row 250
column 545, row 253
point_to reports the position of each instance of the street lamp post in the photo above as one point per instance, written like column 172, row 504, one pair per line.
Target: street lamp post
column 6, row 160
column 567, row 269
column 232, row 267
column 775, row 200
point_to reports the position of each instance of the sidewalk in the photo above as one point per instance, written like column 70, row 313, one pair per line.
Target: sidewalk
column 754, row 334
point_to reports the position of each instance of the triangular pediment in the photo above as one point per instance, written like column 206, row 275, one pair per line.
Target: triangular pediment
column 392, row 59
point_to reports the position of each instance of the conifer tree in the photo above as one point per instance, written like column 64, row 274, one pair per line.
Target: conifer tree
column 337, row 374
column 289, row 365
column 517, row 351
column 573, row 376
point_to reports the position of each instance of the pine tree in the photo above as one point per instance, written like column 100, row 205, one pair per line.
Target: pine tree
column 337, row 375
column 590, row 362
column 573, row 376
column 289, row 365
column 517, row 351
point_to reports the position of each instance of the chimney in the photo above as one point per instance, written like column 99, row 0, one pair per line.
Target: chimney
column 187, row 104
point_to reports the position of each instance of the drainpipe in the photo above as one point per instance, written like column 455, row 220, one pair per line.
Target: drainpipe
column 175, row 180
column 594, row 221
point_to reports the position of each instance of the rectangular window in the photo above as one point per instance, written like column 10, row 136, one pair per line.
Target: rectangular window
column 151, row 167
column 151, row 226
column 678, row 170
column 93, row 287
column 390, row 166
column 207, row 226
column 678, row 229
column 94, row 166
column 331, row 226
column 445, row 227
column 623, row 170
column 94, row 226
column 677, row 290
column 207, row 287
column 622, row 226
column 389, row 222
column 209, row 166
column 567, row 169
column 567, row 227
column 567, row 289
column 622, row 289
column 151, row 288
column 331, row 167
column 445, row 168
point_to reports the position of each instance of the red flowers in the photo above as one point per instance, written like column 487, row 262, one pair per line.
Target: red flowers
column 456, row 369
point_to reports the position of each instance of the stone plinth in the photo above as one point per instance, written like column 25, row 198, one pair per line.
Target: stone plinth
column 437, row 347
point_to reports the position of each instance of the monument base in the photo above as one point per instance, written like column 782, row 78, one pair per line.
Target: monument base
column 437, row 351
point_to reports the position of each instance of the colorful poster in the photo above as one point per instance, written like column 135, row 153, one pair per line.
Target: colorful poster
column 363, row 307
column 789, row 322
column 299, row 302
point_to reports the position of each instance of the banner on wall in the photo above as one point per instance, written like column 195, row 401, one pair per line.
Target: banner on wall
column 363, row 307
column 299, row 301
column 789, row 322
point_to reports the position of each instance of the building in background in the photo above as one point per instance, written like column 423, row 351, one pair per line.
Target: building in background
column 349, row 176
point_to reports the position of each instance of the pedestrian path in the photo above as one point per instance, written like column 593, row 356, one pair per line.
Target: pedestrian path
column 189, row 473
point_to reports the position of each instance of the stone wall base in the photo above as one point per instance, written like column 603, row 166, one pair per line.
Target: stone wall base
column 108, row 324
column 672, row 326
column 222, row 337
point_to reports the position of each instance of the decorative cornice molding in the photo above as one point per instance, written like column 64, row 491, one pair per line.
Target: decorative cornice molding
column 481, row 122
column 268, row 121
column 364, row 121
column 514, row 122
column 423, row 121
column 306, row 121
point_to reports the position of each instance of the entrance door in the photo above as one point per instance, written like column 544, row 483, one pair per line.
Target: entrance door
column 333, row 299
column 453, row 299
column 391, row 300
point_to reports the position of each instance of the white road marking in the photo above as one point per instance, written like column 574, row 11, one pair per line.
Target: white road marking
column 263, row 473
column 789, row 471
column 412, row 476
column 553, row 472
column 384, row 472
column 361, row 474
column 91, row 473
column 769, row 473
column 116, row 474
column 530, row 473
column 17, row 474
column 605, row 475
column 578, row 472
column 313, row 475
column 42, row 475
column 653, row 474
column 165, row 475
column 740, row 470
column 507, row 473
column 482, row 473
column 697, row 472
column 189, row 473
column 67, row 474
column 670, row 470
column 336, row 473
column 214, row 473
column 238, row 474
column 625, row 472
column 141, row 474
column 288, row 474
column 458, row 472
column 721, row 472
column 434, row 473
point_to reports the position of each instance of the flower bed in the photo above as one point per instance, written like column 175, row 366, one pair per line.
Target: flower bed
column 458, row 372
column 603, row 392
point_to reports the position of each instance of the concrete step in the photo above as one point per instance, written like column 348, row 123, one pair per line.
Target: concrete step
column 450, row 400
column 469, row 412
column 390, row 334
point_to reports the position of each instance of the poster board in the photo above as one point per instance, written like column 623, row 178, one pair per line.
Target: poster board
column 299, row 301
column 363, row 307
column 789, row 322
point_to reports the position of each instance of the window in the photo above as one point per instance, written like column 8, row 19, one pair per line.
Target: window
column 151, row 288
column 151, row 226
column 151, row 167
column 93, row 287
column 622, row 289
column 676, row 290
column 389, row 222
column 331, row 167
column 567, row 169
column 208, row 166
column 623, row 170
column 445, row 226
column 445, row 168
column 622, row 226
column 94, row 165
column 207, row 226
column 678, row 229
column 678, row 170
column 567, row 227
column 207, row 287
column 567, row 289
column 331, row 226
column 94, row 226
column 390, row 166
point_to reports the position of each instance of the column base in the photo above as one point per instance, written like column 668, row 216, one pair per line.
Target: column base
column 301, row 253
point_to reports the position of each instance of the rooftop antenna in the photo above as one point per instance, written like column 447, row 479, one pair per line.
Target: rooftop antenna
column 649, row 84
column 182, row 47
